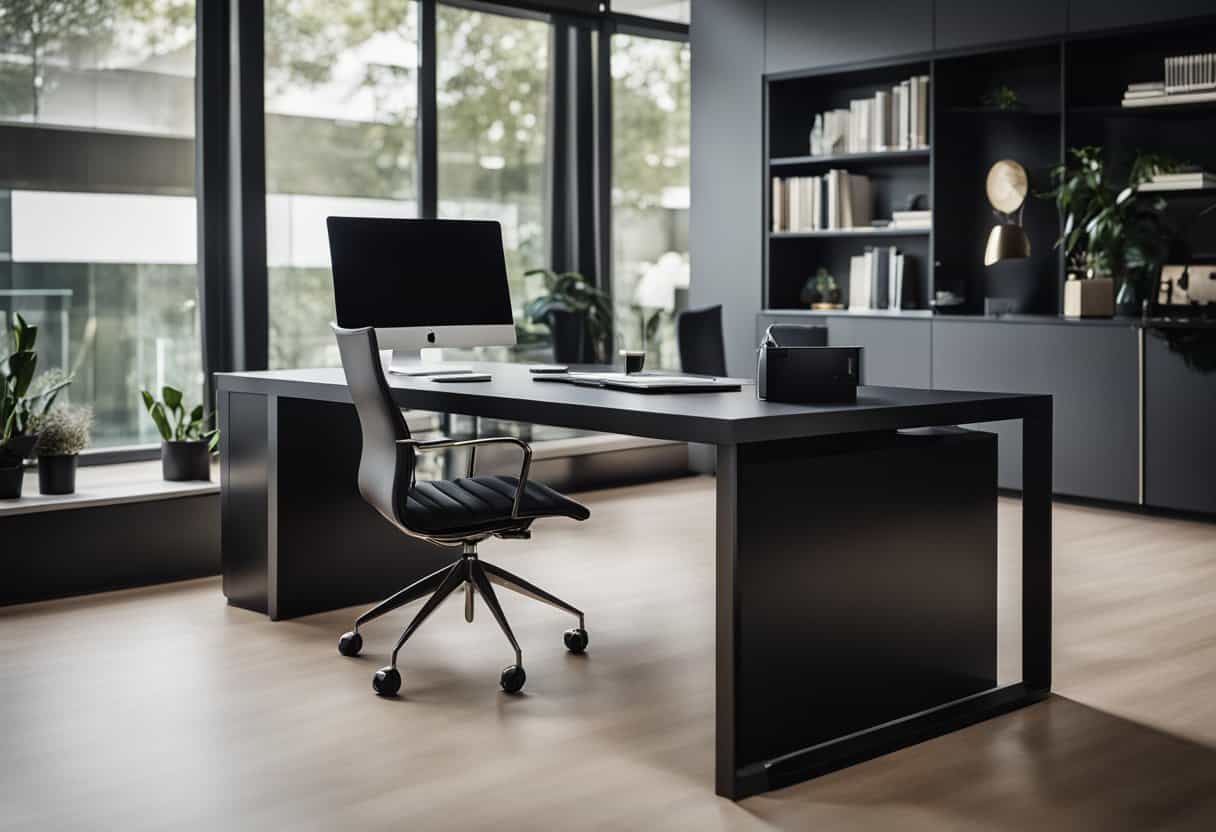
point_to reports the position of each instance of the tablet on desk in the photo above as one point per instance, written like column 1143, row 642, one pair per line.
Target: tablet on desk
column 461, row 378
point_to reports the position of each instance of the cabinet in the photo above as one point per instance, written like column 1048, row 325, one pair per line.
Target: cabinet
column 897, row 352
column 959, row 24
column 1091, row 15
column 802, row 35
column 1090, row 369
column 1179, row 430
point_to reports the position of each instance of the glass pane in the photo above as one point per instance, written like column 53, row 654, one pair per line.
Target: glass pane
column 678, row 10
column 650, row 140
column 341, row 123
column 107, row 271
column 493, row 112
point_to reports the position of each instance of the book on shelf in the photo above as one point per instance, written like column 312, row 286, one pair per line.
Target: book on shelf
column 1183, row 181
column 876, row 278
column 912, row 219
column 1185, row 76
column 1190, row 73
column 836, row 200
column 895, row 119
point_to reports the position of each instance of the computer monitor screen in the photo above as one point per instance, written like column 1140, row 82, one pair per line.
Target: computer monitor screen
column 422, row 282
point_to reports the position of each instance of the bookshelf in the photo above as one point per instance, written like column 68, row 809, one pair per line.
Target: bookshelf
column 1070, row 94
column 792, row 256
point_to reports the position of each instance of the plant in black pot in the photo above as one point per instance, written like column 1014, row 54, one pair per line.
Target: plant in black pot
column 23, row 399
column 578, row 314
column 62, row 434
column 187, row 444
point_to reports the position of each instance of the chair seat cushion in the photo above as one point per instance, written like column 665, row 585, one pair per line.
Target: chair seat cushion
column 481, row 504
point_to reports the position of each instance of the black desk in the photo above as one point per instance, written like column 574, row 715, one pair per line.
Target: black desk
column 856, row 591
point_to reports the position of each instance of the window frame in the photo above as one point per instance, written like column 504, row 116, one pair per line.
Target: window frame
column 230, row 160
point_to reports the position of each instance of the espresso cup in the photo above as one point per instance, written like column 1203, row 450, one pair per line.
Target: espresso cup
column 635, row 360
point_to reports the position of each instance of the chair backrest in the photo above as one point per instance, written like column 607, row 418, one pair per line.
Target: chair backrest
column 699, row 335
column 797, row 335
column 383, row 470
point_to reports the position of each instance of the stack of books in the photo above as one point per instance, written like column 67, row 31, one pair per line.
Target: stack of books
column 1190, row 73
column 1188, row 78
column 836, row 200
column 895, row 120
column 1185, row 180
column 876, row 279
column 911, row 219
column 1142, row 92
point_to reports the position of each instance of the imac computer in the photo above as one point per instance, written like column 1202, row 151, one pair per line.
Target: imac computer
column 422, row 283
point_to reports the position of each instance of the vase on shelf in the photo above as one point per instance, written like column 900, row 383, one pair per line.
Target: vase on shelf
column 1127, row 302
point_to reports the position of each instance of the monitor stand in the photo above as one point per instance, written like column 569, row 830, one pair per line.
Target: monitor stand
column 408, row 363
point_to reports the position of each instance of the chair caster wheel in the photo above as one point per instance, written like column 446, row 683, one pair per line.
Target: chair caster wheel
column 513, row 679
column 576, row 640
column 350, row 644
column 387, row 681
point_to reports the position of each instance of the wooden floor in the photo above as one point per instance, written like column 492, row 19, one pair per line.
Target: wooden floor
column 165, row 709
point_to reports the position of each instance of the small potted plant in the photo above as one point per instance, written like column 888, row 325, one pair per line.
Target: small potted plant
column 578, row 314
column 22, row 400
column 62, row 434
column 186, row 446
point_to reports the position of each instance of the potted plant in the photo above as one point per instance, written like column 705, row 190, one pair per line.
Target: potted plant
column 578, row 314
column 62, row 434
column 820, row 291
column 22, row 400
column 1109, row 233
column 186, row 445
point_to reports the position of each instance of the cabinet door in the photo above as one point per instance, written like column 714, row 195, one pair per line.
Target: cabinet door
column 1089, row 15
column 804, row 35
column 1179, row 431
column 962, row 23
column 1091, row 372
column 895, row 353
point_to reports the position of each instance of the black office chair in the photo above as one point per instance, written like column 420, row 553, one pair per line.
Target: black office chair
column 460, row 512
column 699, row 335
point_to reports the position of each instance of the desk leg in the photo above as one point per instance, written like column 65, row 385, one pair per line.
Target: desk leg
column 296, row 536
column 856, row 598
column 727, row 607
column 1036, row 549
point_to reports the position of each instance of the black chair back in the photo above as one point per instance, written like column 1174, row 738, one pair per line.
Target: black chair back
column 699, row 335
column 384, row 467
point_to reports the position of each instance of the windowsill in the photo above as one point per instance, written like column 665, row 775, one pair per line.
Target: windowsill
column 105, row 485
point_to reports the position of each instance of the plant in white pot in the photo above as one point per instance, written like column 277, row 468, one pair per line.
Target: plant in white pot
column 62, row 434
column 187, row 443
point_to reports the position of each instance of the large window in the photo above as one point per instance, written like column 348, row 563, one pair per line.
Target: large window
column 493, row 81
column 650, row 141
column 341, row 138
column 97, row 214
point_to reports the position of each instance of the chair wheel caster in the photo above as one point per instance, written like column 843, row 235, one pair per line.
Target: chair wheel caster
column 513, row 679
column 576, row 640
column 350, row 644
column 387, row 681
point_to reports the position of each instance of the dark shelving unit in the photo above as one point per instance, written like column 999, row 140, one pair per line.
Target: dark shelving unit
column 792, row 101
column 1070, row 90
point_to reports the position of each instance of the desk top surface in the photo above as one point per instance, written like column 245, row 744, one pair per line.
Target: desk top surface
column 713, row 418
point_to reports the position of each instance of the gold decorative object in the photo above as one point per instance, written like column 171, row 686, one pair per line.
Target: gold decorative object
column 1007, row 186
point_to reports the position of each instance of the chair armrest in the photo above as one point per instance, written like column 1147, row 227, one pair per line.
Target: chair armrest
column 472, row 445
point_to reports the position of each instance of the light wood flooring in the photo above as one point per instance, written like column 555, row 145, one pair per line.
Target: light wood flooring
column 165, row 709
